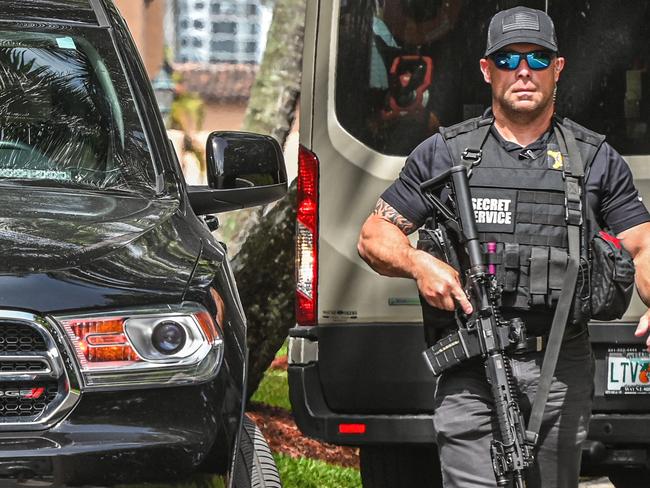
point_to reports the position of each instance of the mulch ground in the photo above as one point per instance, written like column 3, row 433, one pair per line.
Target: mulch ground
column 281, row 362
column 283, row 435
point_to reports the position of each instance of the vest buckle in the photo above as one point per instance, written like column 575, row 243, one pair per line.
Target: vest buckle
column 572, row 212
column 473, row 155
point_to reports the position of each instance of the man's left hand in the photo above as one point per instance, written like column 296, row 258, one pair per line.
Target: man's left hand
column 637, row 242
column 644, row 327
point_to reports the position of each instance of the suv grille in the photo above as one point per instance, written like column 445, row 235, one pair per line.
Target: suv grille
column 26, row 399
column 19, row 337
column 32, row 381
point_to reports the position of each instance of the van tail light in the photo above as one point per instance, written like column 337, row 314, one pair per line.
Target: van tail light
column 307, row 238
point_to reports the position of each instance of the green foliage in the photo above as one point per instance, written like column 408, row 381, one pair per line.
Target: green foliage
column 309, row 473
column 284, row 350
column 188, row 112
column 273, row 390
column 197, row 481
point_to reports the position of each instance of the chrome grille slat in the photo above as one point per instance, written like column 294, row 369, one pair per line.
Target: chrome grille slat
column 17, row 365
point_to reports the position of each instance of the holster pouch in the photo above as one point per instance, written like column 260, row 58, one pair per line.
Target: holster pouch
column 612, row 277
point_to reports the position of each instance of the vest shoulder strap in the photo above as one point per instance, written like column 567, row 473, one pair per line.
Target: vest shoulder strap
column 472, row 133
column 588, row 141
column 469, row 134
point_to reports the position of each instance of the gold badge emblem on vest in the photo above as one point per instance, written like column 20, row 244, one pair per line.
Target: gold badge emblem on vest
column 555, row 159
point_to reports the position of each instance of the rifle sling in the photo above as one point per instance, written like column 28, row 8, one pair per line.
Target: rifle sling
column 560, row 318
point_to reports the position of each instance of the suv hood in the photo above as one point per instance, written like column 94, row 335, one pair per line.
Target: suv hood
column 45, row 230
column 74, row 250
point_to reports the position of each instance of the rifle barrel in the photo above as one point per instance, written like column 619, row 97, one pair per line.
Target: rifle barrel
column 466, row 214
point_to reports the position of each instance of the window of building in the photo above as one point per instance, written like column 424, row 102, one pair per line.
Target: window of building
column 250, row 47
column 184, row 42
column 224, row 46
column 224, row 8
column 199, row 5
column 251, row 9
column 185, row 24
column 224, row 27
column 198, row 24
column 196, row 42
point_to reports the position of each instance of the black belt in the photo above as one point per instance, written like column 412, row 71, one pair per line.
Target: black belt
column 538, row 343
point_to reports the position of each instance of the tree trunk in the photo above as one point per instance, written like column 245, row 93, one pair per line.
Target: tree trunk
column 272, row 105
column 264, row 264
column 264, row 271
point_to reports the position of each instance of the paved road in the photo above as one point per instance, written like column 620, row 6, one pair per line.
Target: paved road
column 597, row 483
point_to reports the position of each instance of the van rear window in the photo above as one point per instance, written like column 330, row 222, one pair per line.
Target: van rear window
column 406, row 67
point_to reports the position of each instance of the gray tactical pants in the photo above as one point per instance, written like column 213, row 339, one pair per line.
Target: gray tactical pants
column 464, row 422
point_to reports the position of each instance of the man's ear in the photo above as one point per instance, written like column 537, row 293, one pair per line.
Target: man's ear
column 485, row 69
column 559, row 66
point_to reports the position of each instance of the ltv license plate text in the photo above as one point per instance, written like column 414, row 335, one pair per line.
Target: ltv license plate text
column 628, row 372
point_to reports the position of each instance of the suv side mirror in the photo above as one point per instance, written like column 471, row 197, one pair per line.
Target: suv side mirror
column 244, row 170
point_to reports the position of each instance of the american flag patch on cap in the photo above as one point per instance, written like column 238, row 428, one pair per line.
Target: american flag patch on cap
column 521, row 20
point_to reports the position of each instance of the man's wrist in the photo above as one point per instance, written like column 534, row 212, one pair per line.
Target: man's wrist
column 414, row 259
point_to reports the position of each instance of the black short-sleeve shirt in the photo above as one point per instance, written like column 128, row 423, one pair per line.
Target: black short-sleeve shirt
column 610, row 189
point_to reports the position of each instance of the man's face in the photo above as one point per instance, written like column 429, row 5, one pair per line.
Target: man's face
column 522, row 91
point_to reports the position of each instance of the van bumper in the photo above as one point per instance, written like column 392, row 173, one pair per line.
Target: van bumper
column 315, row 419
column 370, row 375
column 614, row 439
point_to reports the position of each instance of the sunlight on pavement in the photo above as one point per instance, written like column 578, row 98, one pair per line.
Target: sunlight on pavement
column 596, row 483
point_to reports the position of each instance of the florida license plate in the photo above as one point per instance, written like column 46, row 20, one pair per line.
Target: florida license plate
column 628, row 372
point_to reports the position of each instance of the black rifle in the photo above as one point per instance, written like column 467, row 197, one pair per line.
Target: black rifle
column 483, row 333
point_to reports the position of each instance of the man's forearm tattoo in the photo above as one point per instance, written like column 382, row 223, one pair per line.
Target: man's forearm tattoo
column 393, row 216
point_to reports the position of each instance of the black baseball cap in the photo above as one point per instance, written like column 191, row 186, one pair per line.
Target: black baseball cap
column 520, row 24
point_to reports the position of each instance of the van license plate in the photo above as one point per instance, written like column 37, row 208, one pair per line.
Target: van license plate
column 628, row 372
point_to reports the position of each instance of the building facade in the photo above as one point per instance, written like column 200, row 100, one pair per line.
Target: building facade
column 145, row 19
column 221, row 31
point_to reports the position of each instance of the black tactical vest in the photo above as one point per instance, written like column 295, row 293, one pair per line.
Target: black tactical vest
column 520, row 212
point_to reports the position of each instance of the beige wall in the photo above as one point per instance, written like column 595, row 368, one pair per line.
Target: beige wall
column 145, row 21
column 223, row 116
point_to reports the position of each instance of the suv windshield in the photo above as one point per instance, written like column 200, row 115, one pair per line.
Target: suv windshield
column 406, row 67
column 67, row 116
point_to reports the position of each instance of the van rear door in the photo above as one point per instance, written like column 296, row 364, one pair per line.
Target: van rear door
column 380, row 77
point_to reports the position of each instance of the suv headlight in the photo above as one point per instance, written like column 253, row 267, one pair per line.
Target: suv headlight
column 145, row 347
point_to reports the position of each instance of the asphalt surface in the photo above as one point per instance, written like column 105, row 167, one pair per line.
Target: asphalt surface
column 596, row 483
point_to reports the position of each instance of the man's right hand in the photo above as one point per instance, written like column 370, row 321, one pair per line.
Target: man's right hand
column 439, row 283
column 384, row 246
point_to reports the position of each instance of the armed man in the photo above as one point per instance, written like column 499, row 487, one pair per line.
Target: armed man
column 534, row 178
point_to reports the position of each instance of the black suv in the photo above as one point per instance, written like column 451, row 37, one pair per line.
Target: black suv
column 122, row 337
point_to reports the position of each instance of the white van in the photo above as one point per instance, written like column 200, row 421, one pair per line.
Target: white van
column 380, row 76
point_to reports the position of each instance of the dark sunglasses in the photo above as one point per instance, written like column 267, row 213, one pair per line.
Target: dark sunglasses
column 509, row 60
